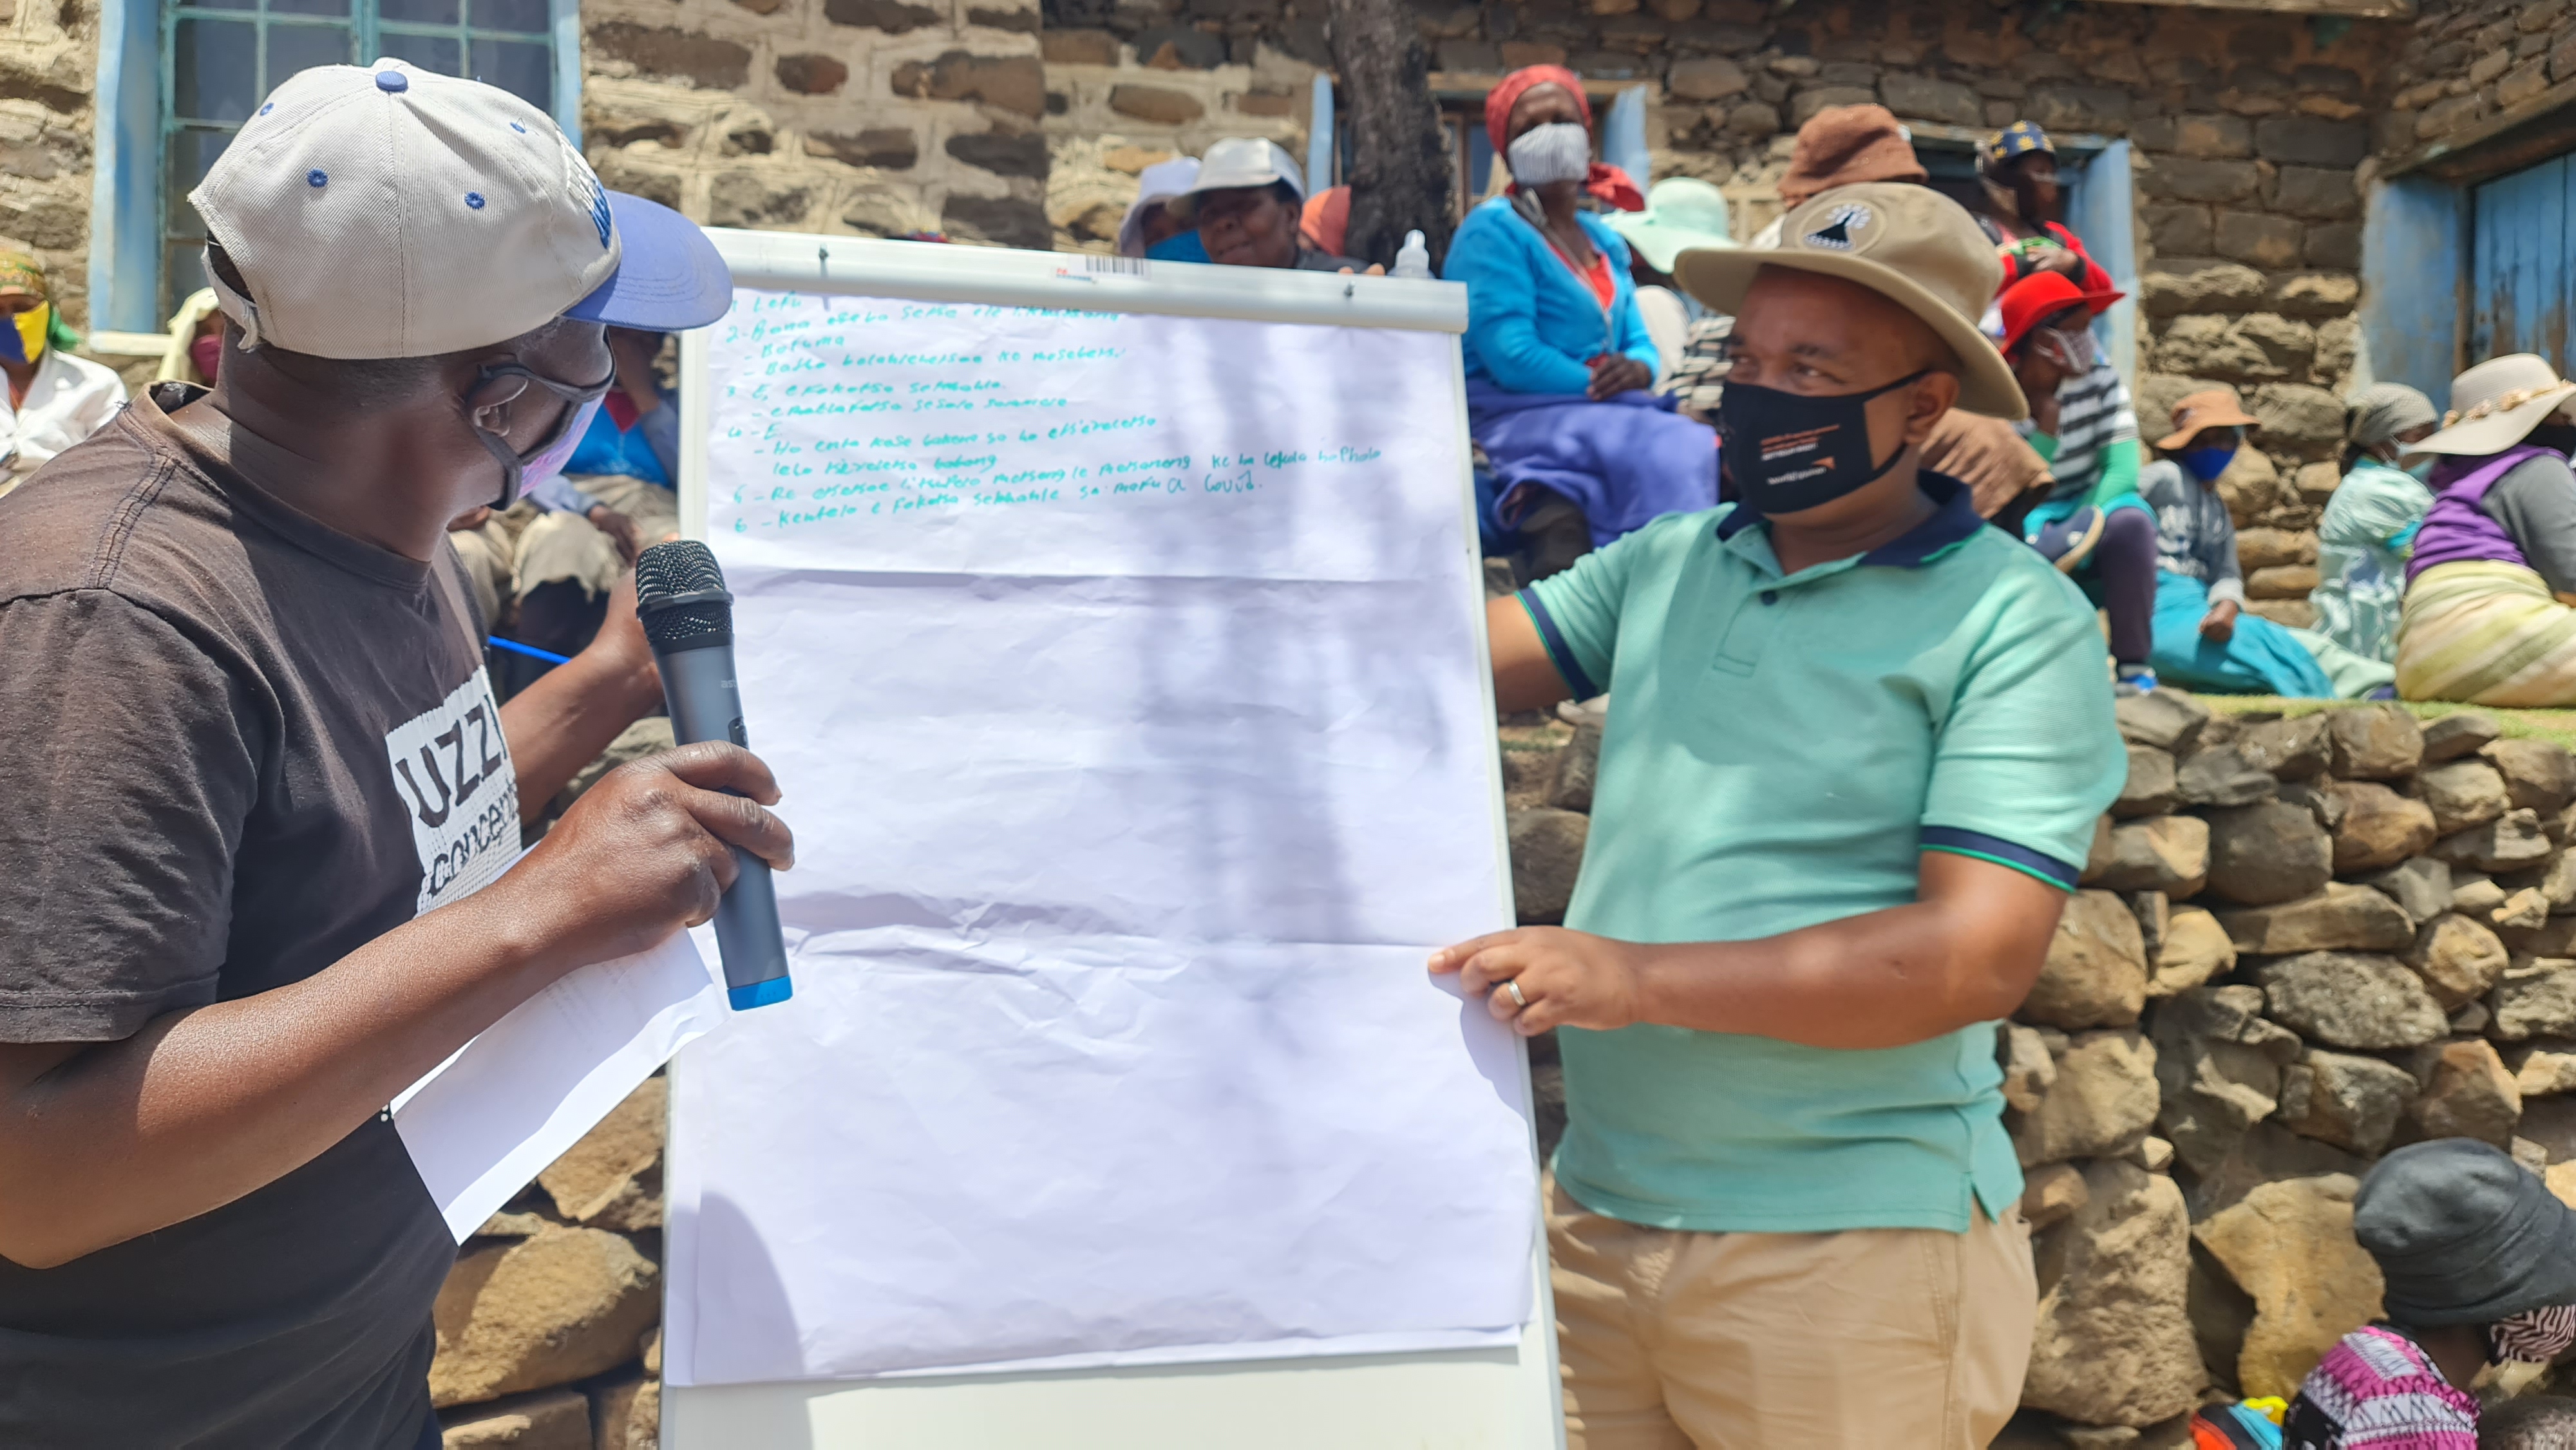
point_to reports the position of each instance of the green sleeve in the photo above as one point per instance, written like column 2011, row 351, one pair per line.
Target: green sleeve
column 2119, row 472
column 2043, row 444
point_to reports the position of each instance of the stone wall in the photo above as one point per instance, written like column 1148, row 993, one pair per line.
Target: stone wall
column 873, row 117
column 2300, row 942
column 48, row 71
column 2469, row 60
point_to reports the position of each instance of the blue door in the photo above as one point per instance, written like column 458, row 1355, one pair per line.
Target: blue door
column 2523, row 270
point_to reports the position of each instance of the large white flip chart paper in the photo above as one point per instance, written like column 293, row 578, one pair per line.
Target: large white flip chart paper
column 1122, row 675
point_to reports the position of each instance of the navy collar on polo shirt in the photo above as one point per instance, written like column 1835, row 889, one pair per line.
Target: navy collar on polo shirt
column 1954, row 521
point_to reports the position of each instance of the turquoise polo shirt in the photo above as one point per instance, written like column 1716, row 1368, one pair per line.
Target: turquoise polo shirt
column 1780, row 749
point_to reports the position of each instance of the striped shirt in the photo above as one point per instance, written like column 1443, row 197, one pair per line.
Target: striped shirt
column 2379, row 1390
column 2093, row 413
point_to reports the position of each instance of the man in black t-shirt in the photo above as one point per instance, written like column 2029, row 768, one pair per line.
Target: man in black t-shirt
column 261, row 807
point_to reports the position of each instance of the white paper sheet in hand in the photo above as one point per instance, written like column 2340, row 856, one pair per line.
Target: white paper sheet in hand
column 483, row 1124
column 1120, row 675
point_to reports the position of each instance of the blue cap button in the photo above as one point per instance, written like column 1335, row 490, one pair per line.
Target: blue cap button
column 392, row 80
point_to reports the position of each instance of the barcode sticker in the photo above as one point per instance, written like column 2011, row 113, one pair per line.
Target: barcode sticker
column 1130, row 266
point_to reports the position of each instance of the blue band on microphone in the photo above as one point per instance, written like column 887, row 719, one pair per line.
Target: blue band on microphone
column 760, row 994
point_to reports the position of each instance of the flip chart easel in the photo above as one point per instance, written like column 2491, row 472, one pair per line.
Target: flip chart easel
column 1500, row 1396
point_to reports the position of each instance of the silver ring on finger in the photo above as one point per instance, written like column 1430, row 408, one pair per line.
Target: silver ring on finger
column 1513, row 986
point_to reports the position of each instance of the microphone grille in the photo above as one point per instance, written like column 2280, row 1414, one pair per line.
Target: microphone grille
column 680, row 593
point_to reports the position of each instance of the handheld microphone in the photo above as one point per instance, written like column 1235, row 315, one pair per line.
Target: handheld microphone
column 688, row 616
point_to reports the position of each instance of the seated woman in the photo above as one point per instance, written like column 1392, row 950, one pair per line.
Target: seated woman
column 55, row 399
column 2488, row 617
column 1558, row 359
column 2203, row 638
column 2370, row 522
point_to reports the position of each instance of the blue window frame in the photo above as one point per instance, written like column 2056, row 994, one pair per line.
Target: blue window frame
column 178, row 79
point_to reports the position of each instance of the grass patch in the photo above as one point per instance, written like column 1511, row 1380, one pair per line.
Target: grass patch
column 2557, row 726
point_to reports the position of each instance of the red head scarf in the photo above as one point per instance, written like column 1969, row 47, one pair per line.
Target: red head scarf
column 1327, row 219
column 1609, row 183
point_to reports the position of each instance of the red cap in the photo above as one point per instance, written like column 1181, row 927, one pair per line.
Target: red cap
column 2040, row 296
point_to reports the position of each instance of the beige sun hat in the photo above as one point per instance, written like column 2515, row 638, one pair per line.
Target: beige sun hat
column 1909, row 244
column 2496, row 404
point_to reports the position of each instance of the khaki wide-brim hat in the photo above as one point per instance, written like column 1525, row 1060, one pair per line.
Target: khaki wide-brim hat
column 1909, row 244
column 2496, row 404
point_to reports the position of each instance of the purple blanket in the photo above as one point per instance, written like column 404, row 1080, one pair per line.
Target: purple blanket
column 1624, row 461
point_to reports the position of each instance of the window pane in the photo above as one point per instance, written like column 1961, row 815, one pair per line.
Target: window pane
column 530, row 17
column 525, row 71
column 214, row 69
column 430, row 52
column 192, row 153
column 292, row 48
column 183, row 270
column 424, row 12
column 308, row 7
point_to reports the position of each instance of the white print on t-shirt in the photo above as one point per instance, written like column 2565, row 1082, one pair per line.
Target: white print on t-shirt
column 453, row 769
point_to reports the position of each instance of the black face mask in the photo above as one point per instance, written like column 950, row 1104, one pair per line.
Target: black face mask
column 2556, row 437
column 1788, row 451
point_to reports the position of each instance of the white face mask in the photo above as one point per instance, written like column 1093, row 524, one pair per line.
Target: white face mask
column 1558, row 151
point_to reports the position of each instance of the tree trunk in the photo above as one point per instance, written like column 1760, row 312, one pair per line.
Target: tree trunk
column 1400, row 178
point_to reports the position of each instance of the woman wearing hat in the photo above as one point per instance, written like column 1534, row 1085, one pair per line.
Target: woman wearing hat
column 2370, row 522
column 1559, row 362
column 2203, row 638
column 2490, row 615
column 1682, row 212
column 55, row 399
column 2479, row 1263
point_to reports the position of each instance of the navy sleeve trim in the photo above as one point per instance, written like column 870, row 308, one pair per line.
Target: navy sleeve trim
column 1557, row 649
column 2003, row 853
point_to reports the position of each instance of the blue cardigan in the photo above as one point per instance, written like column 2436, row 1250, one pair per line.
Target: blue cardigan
column 1531, row 323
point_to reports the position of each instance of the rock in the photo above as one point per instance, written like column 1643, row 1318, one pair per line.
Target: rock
column 1547, row 853
column 2099, row 856
column 2374, row 742
column 1160, row 105
column 2341, row 917
column 629, row 1412
column 1706, row 78
column 548, row 1420
column 2218, row 1069
column 1576, row 767
column 2349, row 1101
column 2422, row 887
column 2508, row 843
column 2149, row 790
column 2268, row 548
column 2103, row 1098
column 2113, row 1344
column 2462, row 793
column 2096, row 974
column 2348, row 999
column 2453, row 736
column 2195, row 948
column 2223, row 777
column 2154, row 911
column 2472, row 1019
column 2029, row 1066
column 2379, row 828
column 2170, row 854
column 2291, row 1246
column 2555, row 880
column 2322, row 798
column 2524, row 910
column 2540, row 774
column 2308, row 420
column 2167, row 720
column 2051, row 1193
column 2474, row 893
column 2292, row 749
column 2538, row 1000
column 2287, row 613
column 543, row 1311
column 2466, row 1094
column 612, row 1178
column 2154, row 1154
column 2268, row 1153
column 2261, row 854
column 2546, row 1074
column 2458, row 959
column 2179, row 285
column 2282, row 581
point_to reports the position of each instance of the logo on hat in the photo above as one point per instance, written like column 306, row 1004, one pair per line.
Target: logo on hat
column 585, row 184
column 1840, row 231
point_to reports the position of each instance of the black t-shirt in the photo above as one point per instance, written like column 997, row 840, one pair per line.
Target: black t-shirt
column 236, row 746
column 2535, row 504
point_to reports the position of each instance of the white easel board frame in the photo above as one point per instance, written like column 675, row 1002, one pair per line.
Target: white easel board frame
column 1470, row 1399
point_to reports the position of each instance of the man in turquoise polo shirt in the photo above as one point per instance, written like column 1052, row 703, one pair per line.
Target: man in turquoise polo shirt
column 1855, row 752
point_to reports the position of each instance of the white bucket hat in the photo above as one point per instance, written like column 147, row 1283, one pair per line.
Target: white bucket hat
column 1240, row 161
column 2496, row 404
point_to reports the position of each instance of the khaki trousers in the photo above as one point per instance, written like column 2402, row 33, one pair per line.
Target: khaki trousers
column 1868, row 1339
column 560, row 546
